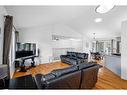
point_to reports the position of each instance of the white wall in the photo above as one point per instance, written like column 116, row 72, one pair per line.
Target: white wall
column 76, row 44
column 124, row 50
column 64, row 30
column 87, row 45
column 61, row 46
column 74, row 39
column 41, row 36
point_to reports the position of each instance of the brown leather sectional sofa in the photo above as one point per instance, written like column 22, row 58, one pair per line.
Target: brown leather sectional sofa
column 81, row 76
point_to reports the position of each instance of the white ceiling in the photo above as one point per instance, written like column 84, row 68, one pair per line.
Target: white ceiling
column 79, row 18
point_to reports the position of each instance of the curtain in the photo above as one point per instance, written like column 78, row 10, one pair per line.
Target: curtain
column 16, row 36
column 8, row 24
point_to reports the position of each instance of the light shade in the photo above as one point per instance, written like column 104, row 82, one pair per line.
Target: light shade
column 98, row 20
column 104, row 8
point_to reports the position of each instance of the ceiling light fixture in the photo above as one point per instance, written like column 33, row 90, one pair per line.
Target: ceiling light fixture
column 75, row 39
column 98, row 20
column 104, row 8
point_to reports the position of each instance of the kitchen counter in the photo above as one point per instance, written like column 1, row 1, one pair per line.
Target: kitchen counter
column 113, row 63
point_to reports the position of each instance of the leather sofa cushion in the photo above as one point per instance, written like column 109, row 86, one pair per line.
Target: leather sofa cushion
column 49, row 76
column 69, row 53
column 74, row 54
column 72, row 62
column 60, row 72
column 85, row 65
column 72, row 57
column 81, row 55
column 68, row 81
column 86, row 56
column 68, row 61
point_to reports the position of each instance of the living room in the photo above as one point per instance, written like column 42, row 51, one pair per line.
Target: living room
column 56, row 32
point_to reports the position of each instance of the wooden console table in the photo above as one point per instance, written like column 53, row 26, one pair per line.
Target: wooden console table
column 22, row 60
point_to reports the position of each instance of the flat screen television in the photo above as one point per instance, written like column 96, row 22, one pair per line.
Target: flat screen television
column 25, row 49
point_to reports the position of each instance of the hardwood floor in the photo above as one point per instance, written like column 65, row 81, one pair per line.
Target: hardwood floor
column 106, row 78
column 109, row 80
column 42, row 69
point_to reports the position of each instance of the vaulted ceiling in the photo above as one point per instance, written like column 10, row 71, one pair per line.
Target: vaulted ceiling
column 79, row 18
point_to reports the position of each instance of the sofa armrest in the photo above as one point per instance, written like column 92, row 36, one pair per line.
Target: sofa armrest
column 79, row 61
column 38, row 80
column 86, row 56
column 61, row 56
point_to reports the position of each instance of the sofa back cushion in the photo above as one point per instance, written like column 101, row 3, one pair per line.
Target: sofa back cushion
column 73, row 54
column 86, row 56
column 85, row 65
column 60, row 72
column 49, row 76
column 68, row 81
column 78, row 55
column 81, row 55
column 69, row 53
